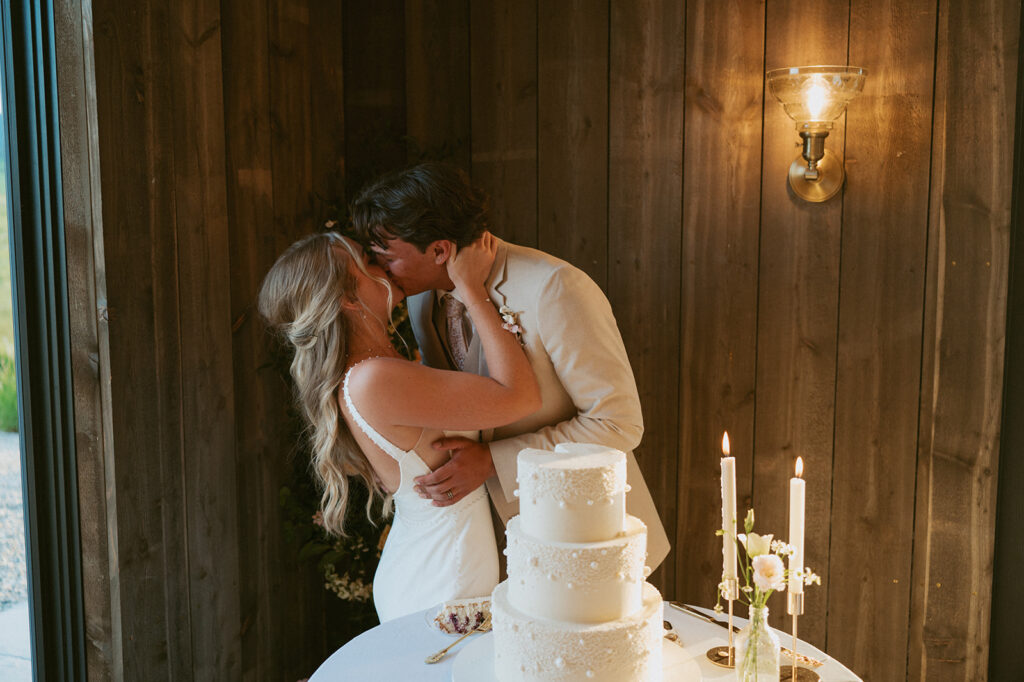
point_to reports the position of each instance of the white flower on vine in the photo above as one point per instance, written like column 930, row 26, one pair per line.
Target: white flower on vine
column 769, row 573
column 781, row 548
column 810, row 577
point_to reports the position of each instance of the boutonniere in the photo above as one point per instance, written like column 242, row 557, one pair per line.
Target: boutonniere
column 510, row 322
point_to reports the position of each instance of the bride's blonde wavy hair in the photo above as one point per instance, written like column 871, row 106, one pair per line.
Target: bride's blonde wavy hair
column 302, row 298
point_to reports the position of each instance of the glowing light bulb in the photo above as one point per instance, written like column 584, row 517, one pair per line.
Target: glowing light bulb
column 817, row 99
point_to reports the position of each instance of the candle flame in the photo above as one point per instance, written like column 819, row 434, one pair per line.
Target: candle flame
column 725, row 443
column 799, row 467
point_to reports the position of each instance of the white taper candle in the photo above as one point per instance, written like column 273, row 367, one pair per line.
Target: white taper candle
column 728, row 510
column 796, row 528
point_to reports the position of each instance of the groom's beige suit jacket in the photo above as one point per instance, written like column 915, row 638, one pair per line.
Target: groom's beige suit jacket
column 587, row 387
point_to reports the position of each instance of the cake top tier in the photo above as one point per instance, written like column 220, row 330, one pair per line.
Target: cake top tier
column 573, row 495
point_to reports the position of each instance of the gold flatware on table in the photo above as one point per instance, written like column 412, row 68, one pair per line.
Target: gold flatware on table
column 690, row 611
column 483, row 627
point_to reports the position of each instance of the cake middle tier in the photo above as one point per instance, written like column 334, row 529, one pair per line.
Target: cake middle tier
column 586, row 582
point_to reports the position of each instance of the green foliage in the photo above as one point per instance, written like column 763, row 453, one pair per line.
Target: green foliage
column 346, row 564
column 8, row 388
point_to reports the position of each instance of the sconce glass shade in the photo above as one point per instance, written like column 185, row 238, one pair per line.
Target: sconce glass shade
column 815, row 96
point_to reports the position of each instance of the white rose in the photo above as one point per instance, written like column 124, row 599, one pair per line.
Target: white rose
column 769, row 573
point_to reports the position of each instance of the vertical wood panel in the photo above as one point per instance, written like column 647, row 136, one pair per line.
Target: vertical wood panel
column 252, row 237
column 572, row 137
column 798, row 292
column 90, row 350
column 721, row 203
column 437, row 79
column 207, row 414
column 503, row 74
column 135, row 114
column 880, row 323
column 374, row 74
column 291, row 115
column 644, row 219
column 327, row 100
column 963, row 341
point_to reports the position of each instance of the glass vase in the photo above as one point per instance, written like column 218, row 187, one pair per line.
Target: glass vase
column 757, row 649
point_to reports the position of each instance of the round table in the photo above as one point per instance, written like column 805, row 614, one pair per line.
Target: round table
column 395, row 651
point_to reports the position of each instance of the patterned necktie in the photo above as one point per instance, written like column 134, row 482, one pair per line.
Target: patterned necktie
column 453, row 312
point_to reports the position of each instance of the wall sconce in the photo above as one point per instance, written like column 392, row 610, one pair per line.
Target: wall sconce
column 814, row 96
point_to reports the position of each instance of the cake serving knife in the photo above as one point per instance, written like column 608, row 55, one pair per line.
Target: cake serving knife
column 690, row 611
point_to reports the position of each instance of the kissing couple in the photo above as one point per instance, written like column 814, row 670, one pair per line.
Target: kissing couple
column 519, row 350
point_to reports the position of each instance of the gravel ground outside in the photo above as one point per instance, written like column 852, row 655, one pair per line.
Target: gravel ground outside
column 13, row 583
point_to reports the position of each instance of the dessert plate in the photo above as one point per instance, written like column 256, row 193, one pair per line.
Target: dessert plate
column 475, row 662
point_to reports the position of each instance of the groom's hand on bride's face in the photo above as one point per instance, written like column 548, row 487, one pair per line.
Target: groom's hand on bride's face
column 468, row 468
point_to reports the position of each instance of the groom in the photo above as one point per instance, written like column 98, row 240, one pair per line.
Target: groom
column 415, row 220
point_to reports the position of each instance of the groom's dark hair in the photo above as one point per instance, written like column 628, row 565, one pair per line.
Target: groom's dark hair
column 420, row 205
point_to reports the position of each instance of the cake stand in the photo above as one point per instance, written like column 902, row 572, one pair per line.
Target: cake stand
column 475, row 663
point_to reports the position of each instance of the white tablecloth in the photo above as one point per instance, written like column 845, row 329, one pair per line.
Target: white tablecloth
column 394, row 651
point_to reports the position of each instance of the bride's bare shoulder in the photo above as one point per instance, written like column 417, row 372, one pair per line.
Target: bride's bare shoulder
column 373, row 374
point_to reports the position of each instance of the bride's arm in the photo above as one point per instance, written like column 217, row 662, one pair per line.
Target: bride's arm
column 411, row 394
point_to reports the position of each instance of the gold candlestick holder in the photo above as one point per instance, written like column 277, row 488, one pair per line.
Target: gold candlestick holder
column 795, row 607
column 723, row 656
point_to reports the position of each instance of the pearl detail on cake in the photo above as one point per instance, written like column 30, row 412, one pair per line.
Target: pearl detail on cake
column 515, row 493
column 590, row 673
column 647, row 571
column 559, row 662
column 590, row 503
column 568, row 585
column 593, row 565
column 561, row 504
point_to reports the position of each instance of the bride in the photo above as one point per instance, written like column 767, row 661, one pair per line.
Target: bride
column 374, row 414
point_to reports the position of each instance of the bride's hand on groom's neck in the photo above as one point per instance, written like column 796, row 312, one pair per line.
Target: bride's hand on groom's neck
column 470, row 465
column 469, row 267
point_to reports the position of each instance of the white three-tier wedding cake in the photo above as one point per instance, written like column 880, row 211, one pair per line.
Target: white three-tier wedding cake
column 576, row 605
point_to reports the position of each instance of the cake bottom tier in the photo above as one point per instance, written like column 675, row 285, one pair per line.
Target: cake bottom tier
column 543, row 650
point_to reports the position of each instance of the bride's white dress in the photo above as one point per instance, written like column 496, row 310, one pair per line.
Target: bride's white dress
column 432, row 554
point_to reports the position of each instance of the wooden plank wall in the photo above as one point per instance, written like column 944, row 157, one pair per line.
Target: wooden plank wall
column 638, row 141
